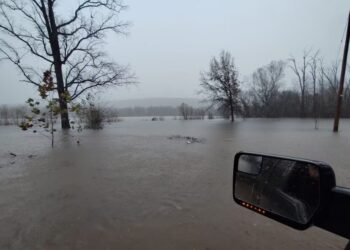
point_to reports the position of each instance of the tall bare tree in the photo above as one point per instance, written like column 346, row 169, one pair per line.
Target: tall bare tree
column 331, row 76
column 221, row 83
column 68, row 42
column 301, row 72
column 313, row 66
column 266, row 84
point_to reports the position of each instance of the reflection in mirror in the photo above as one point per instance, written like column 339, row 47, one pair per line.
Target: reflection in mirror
column 288, row 188
column 250, row 164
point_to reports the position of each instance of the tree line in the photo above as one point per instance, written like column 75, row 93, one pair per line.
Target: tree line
column 312, row 90
column 12, row 115
column 147, row 111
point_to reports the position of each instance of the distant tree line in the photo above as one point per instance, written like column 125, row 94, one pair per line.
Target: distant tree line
column 91, row 113
column 12, row 115
column 147, row 111
column 190, row 113
column 184, row 110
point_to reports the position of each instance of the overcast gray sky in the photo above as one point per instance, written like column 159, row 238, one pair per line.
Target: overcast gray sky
column 170, row 42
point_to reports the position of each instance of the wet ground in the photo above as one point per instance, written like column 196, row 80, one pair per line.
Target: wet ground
column 129, row 186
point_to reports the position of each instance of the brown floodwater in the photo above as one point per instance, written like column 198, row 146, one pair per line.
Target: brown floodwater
column 129, row 186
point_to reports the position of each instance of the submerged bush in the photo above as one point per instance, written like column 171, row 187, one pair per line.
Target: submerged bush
column 94, row 118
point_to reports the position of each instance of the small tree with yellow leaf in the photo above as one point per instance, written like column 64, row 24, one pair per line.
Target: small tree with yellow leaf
column 45, row 113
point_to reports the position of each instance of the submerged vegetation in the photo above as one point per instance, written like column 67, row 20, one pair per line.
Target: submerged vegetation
column 45, row 112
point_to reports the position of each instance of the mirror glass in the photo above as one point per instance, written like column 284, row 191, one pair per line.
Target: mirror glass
column 288, row 188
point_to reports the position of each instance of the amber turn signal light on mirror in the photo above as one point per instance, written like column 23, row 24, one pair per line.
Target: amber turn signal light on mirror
column 254, row 208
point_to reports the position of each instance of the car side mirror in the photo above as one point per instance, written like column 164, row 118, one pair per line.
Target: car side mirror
column 289, row 190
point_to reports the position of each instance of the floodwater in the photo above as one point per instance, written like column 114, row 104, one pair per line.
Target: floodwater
column 129, row 186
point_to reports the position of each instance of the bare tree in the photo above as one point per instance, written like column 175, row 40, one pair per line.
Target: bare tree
column 221, row 84
column 331, row 76
column 266, row 84
column 313, row 66
column 185, row 111
column 301, row 73
column 198, row 113
column 68, row 43
column 246, row 99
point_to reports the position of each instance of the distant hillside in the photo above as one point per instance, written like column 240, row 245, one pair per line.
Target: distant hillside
column 156, row 102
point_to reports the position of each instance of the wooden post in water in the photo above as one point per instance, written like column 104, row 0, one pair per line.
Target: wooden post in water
column 342, row 79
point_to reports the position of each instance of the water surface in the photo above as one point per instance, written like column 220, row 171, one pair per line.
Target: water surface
column 129, row 186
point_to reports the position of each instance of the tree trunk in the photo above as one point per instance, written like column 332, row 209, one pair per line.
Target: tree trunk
column 314, row 108
column 64, row 115
column 56, row 53
column 302, row 106
column 61, row 93
column 232, row 113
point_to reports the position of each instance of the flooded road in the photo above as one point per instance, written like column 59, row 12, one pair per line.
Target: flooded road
column 129, row 186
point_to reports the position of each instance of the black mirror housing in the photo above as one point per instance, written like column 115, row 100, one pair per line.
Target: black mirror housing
column 290, row 190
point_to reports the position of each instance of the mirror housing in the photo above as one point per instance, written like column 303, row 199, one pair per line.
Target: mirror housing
column 290, row 190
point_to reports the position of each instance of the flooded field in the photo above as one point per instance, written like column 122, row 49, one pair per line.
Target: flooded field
column 129, row 186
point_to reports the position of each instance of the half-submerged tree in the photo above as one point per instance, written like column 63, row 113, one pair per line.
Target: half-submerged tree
column 267, row 81
column 185, row 111
column 301, row 72
column 314, row 72
column 221, row 84
column 65, row 40
column 190, row 113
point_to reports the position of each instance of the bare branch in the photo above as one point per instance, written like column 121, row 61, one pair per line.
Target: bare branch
column 15, row 58
column 111, row 5
column 26, row 38
column 92, row 32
